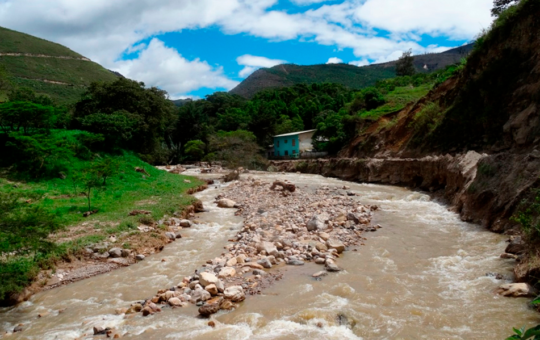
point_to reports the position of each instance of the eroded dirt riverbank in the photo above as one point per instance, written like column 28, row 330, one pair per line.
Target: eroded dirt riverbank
column 422, row 276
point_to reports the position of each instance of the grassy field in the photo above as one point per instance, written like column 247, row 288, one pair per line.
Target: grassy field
column 17, row 42
column 397, row 100
column 157, row 191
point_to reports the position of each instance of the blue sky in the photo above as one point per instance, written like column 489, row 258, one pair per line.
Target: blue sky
column 192, row 48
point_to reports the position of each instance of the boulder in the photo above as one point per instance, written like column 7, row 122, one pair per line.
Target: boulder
column 186, row 223
column 176, row 302
column 211, row 307
column 516, row 246
column 227, row 272
column 352, row 217
column 212, row 289
column 126, row 252
column 232, row 262
column 265, row 263
column 320, row 274
column 321, row 246
column 317, row 222
column 115, row 252
column 268, row 247
column 336, row 244
column 171, row 236
column 200, row 295
column 235, row 294
column 324, row 236
column 517, row 290
column 226, row 203
column 331, row 266
column 206, row 279
column 227, row 305
column 140, row 257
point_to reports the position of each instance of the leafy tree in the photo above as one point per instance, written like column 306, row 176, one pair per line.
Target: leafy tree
column 24, row 94
column 5, row 83
column 500, row 6
column 106, row 167
column 95, row 176
column 195, row 149
column 117, row 127
column 367, row 99
column 405, row 65
column 26, row 117
column 149, row 108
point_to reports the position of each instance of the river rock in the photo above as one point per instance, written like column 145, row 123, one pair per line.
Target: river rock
column 171, row 236
column 253, row 265
column 352, row 217
column 516, row 246
column 268, row 247
column 241, row 259
column 206, row 279
column 320, row 274
column 265, row 263
column 227, row 305
column 186, row 223
column 211, row 307
column 200, row 295
column 226, row 203
column 115, row 252
column 232, row 262
column 212, row 289
column 295, row 262
column 176, row 302
column 227, row 272
column 517, row 290
column 100, row 330
column 140, row 257
column 324, row 236
column 321, row 246
column 235, row 294
column 17, row 329
column 320, row 260
column 336, row 244
column 220, row 286
column 331, row 266
column 316, row 223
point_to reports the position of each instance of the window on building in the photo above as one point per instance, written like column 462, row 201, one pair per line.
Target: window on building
column 286, row 153
column 278, row 144
column 294, row 152
column 286, row 141
column 294, row 142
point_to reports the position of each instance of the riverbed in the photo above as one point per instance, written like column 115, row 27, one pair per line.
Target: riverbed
column 422, row 276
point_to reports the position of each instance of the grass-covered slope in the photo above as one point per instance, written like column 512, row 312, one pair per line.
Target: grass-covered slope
column 46, row 67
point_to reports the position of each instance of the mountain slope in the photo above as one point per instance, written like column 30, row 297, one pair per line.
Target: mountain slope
column 347, row 75
column 46, row 67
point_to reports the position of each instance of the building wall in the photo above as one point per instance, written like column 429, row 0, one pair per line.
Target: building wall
column 286, row 146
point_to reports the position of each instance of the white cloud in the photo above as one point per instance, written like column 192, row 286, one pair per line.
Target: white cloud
column 334, row 60
column 252, row 63
column 159, row 65
column 309, row 2
column 359, row 63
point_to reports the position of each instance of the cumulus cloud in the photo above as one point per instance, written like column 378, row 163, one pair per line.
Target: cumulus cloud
column 253, row 63
column 162, row 66
column 334, row 60
column 309, row 2
column 359, row 63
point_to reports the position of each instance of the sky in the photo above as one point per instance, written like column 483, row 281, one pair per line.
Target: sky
column 192, row 48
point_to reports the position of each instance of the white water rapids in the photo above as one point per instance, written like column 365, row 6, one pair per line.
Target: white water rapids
column 422, row 276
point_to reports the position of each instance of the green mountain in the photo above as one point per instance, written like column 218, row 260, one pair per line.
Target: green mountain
column 348, row 75
column 46, row 67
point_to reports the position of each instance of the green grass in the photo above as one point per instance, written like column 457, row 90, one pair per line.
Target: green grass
column 61, row 94
column 397, row 100
column 16, row 42
column 76, row 72
column 161, row 193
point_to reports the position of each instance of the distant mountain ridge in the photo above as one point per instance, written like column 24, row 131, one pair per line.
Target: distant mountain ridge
column 344, row 74
column 47, row 67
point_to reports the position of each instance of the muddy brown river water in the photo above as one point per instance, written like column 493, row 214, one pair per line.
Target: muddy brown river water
column 422, row 276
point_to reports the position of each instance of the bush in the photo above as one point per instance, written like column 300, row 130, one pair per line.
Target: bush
column 194, row 149
column 236, row 148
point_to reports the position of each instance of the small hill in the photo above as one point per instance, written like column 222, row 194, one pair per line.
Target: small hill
column 48, row 68
column 344, row 74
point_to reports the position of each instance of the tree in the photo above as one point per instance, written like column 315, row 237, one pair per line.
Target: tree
column 405, row 65
column 27, row 117
column 5, row 84
column 149, row 109
column 195, row 149
column 500, row 6
column 236, row 148
column 117, row 128
column 96, row 176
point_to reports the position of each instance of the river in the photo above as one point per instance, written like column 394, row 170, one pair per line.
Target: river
column 422, row 276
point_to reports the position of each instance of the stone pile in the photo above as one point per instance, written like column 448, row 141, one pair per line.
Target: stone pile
column 280, row 228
